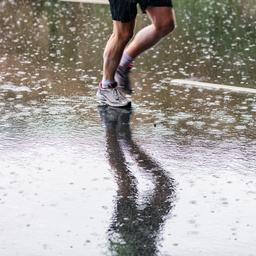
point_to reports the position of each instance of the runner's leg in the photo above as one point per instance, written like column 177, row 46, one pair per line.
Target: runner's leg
column 122, row 33
column 163, row 22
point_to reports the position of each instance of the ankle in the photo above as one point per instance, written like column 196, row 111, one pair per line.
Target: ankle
column 107, row 84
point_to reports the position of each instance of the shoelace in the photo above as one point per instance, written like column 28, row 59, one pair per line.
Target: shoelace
column 116, row 93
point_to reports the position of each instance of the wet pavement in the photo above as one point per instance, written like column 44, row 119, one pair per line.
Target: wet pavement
column 174, row 175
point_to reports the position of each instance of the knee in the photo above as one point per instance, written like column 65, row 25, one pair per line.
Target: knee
column 123, row 36
column 165, row 27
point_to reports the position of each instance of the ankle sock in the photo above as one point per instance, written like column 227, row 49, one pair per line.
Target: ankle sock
column 126, row 60
column 105, row 83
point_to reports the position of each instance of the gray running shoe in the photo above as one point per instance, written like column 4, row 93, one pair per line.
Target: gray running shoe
column 112, row 96
column 123, row 80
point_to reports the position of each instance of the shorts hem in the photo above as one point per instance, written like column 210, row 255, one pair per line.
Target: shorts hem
column 124, row 20
column 127, row 11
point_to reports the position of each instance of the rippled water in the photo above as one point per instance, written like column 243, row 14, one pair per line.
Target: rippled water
column 175, row 175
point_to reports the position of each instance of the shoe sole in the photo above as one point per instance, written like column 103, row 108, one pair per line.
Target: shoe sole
column 126, row 91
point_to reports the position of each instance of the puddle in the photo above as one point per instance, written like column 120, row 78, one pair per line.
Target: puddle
column 175, row 175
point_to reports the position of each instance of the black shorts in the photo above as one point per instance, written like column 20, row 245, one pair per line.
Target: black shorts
column 126, row 10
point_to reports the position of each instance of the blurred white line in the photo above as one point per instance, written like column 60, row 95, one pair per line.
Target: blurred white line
column 210, row 86
column 88, row 1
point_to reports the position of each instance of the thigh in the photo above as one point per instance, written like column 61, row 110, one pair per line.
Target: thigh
column 123, row 10
column 161, row 15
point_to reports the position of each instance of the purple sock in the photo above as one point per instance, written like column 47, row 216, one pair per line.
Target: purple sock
column 126, row 60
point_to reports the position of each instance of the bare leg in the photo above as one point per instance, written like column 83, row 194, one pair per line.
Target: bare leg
column 163, row 22
column 122, row 33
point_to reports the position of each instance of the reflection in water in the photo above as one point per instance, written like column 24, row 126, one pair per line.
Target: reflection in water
column 50, row 65
column 135, row 228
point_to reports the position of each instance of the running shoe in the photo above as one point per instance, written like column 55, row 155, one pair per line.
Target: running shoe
column 123, row 80
column 112, row 96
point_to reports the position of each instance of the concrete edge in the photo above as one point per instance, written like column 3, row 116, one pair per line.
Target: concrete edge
column 211, row 86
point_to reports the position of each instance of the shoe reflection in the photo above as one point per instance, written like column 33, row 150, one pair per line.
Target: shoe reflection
column 135, row 226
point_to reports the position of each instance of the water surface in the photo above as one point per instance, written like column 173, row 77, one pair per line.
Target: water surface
column 175, row 175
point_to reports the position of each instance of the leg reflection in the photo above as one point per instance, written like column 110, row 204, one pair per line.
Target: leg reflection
column 134, row 229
